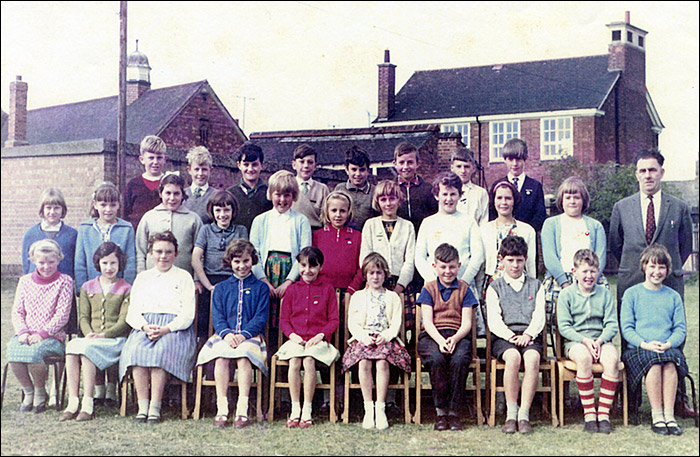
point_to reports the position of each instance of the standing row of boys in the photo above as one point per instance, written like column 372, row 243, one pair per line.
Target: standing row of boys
column 245, row 249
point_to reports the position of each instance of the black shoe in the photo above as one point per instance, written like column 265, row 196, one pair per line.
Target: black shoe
column 98, row 401
column 455, row 423
column 152, row 420
column 590, row 426
column 604, row 427
column 140, row 419
column 40, row 408
column 673, row 428
column 26, row 408
column 441, row 423
column 660, row 428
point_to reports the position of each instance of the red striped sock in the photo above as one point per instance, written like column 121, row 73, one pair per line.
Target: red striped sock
column 585, row 390
column 607, row 394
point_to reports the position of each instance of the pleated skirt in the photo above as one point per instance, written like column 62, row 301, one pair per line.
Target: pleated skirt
column 253, row 349
column 102, row 352
column 324, row 352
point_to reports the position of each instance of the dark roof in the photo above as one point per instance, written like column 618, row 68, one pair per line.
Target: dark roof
column 525, row 87
column 97, row 118
column 331, row 144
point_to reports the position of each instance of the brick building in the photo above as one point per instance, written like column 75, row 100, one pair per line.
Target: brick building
column 596, row 108
column 73, row 146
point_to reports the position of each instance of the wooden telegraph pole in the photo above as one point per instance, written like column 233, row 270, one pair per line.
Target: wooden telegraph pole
column 121, row 123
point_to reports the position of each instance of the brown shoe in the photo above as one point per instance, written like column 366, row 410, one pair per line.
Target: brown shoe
column 524, row 427
column 67, row 416
column 509, row 427
column 220, row 421
column 241, row 421
column 83, row 417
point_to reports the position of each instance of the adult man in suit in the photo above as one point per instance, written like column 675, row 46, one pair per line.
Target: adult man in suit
column 650, row 216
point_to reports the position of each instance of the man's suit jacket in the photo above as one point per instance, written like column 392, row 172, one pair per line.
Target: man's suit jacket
column 627, row 239
column 531, row 208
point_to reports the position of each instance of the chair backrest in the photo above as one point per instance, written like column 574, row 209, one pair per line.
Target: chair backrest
column 472, row 333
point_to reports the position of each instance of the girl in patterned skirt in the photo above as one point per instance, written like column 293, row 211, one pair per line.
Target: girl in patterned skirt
column 375, row 315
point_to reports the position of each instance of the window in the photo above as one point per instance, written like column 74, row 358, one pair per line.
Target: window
column 617, row 35
column 204, row 132
column 641, row 41
column 556, row 138
column 500, row 133
column 461, row 128
column 629, row 37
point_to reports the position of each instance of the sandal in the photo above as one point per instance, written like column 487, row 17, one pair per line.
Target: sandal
column 293, row 423
column 306, row 423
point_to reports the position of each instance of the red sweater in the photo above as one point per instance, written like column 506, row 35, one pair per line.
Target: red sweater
column 341, row 252
column 310, row 309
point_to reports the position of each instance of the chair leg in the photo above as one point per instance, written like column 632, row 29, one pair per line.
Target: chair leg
column 492, row 401
column 346, row 399
column 273, row 379
column 198, row 394
column 553, row 395
column 693, row 394
column 258, row 395
column 419, row 388
column 561, row 397
column 406, row 399
column 625, row 404
column 185, row 412
column 4, row 381
column 57, row 377
column 125, row 393
column 333, row 417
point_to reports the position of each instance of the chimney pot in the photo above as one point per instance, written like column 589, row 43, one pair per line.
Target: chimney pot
column 627, row 17
column 19, row 78
column 386, row 56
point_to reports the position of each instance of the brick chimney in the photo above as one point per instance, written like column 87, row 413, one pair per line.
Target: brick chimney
column 17, row 122
column 627, row 52
column 387, row 88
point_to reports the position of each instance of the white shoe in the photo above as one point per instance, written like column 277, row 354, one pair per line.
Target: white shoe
column 368, row 421
column 51, row 401
column 381, row 421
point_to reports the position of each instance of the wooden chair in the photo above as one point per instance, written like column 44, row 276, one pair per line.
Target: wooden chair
column 275, row 383
column 474, row 366
column 202, row 380
column 566, row 369
column 58, row 364
column 402, row 386
column 547, row 370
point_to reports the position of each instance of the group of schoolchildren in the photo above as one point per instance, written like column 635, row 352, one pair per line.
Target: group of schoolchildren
column 269, row 258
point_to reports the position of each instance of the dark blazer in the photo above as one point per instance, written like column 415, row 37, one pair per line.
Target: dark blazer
column 627, row 239
column 531, row 208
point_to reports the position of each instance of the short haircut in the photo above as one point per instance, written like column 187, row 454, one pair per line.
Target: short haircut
column 199, row 155
column 656, row 253
column 389, row 188
column 447, row 179
column 513, row 245
column 162, row 236
column 650, row 154
column 154, row 144
column 172, row 178
column 357, row 156
column 587, row 256
column 52, row 196
column 222, row 198
column 105, row 192
column 573, row 185
column 249, row 152
column 105, row 249
column 336, row 195
column 463, row 154
column 515, row 148
column 375, row 259
column 283, row 181
column 446, row 253
column 404, row 148
column 517, row 198
column 45, row 246
column 312, row 255
column 304, row 150
column 238, row 247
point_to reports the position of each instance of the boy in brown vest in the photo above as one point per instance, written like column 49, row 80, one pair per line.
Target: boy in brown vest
column 515, row 315
column 446, row 307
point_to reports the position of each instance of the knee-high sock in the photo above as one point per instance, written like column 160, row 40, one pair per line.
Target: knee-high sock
column 585, row 390
column 607, row 394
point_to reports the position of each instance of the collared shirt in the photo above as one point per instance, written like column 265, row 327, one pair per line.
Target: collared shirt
column 50, row 228
column 446, row 292
column 213, row 240
column 247, row 190
column 521, row 179
column 204, row 189
column 656, row 198
column 364, row 189
column 414, row 182
column 309, row 182
column 494, row 313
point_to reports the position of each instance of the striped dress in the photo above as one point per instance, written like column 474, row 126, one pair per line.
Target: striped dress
column 162, row 299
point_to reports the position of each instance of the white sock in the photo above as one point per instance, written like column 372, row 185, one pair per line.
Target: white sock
column 40, row 395
column 73, row 404
column 222, row 406
column 28, row 396
column 440, row 412
column 368, row 421
column 512, row 411
column 523, row 414
column 296, row 410
column 143, row 407
column 306, row 411
column 88, row 405
column 99, row 392
column 381, row 421
column 154, row 409
column 242, row 406
column 668, row 417
column 111, row 391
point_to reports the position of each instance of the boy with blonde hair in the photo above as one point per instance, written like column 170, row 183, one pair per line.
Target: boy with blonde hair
column 141, row 192
column 198, row 194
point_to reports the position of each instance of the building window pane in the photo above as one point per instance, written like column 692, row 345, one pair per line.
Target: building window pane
column 556, row 138
column 501, row 132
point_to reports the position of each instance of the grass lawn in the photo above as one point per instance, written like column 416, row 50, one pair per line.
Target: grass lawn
column 109, row 434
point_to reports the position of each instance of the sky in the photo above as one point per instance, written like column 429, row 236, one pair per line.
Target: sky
column 310, row 65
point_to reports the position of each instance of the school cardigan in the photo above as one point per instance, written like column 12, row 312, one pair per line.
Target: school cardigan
column 652, row 315
column 551, row 245
column 515, row 306
column 251, row 202
column 399, row 251
column 182, row 222
column 358, row 319
column 489, row 237
column 138, row 199
column 199, row 204
column 90, row 238
column 310, row 309
column 66, row 239
column 582, row 316
column 240, row 306
column 341, row 254
column 299, row 235
column 459, row 230
column 104, row 313
column 419, row 202
column 310, row 204
column 171, row 292
column 42, row 305
column 447, row 313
